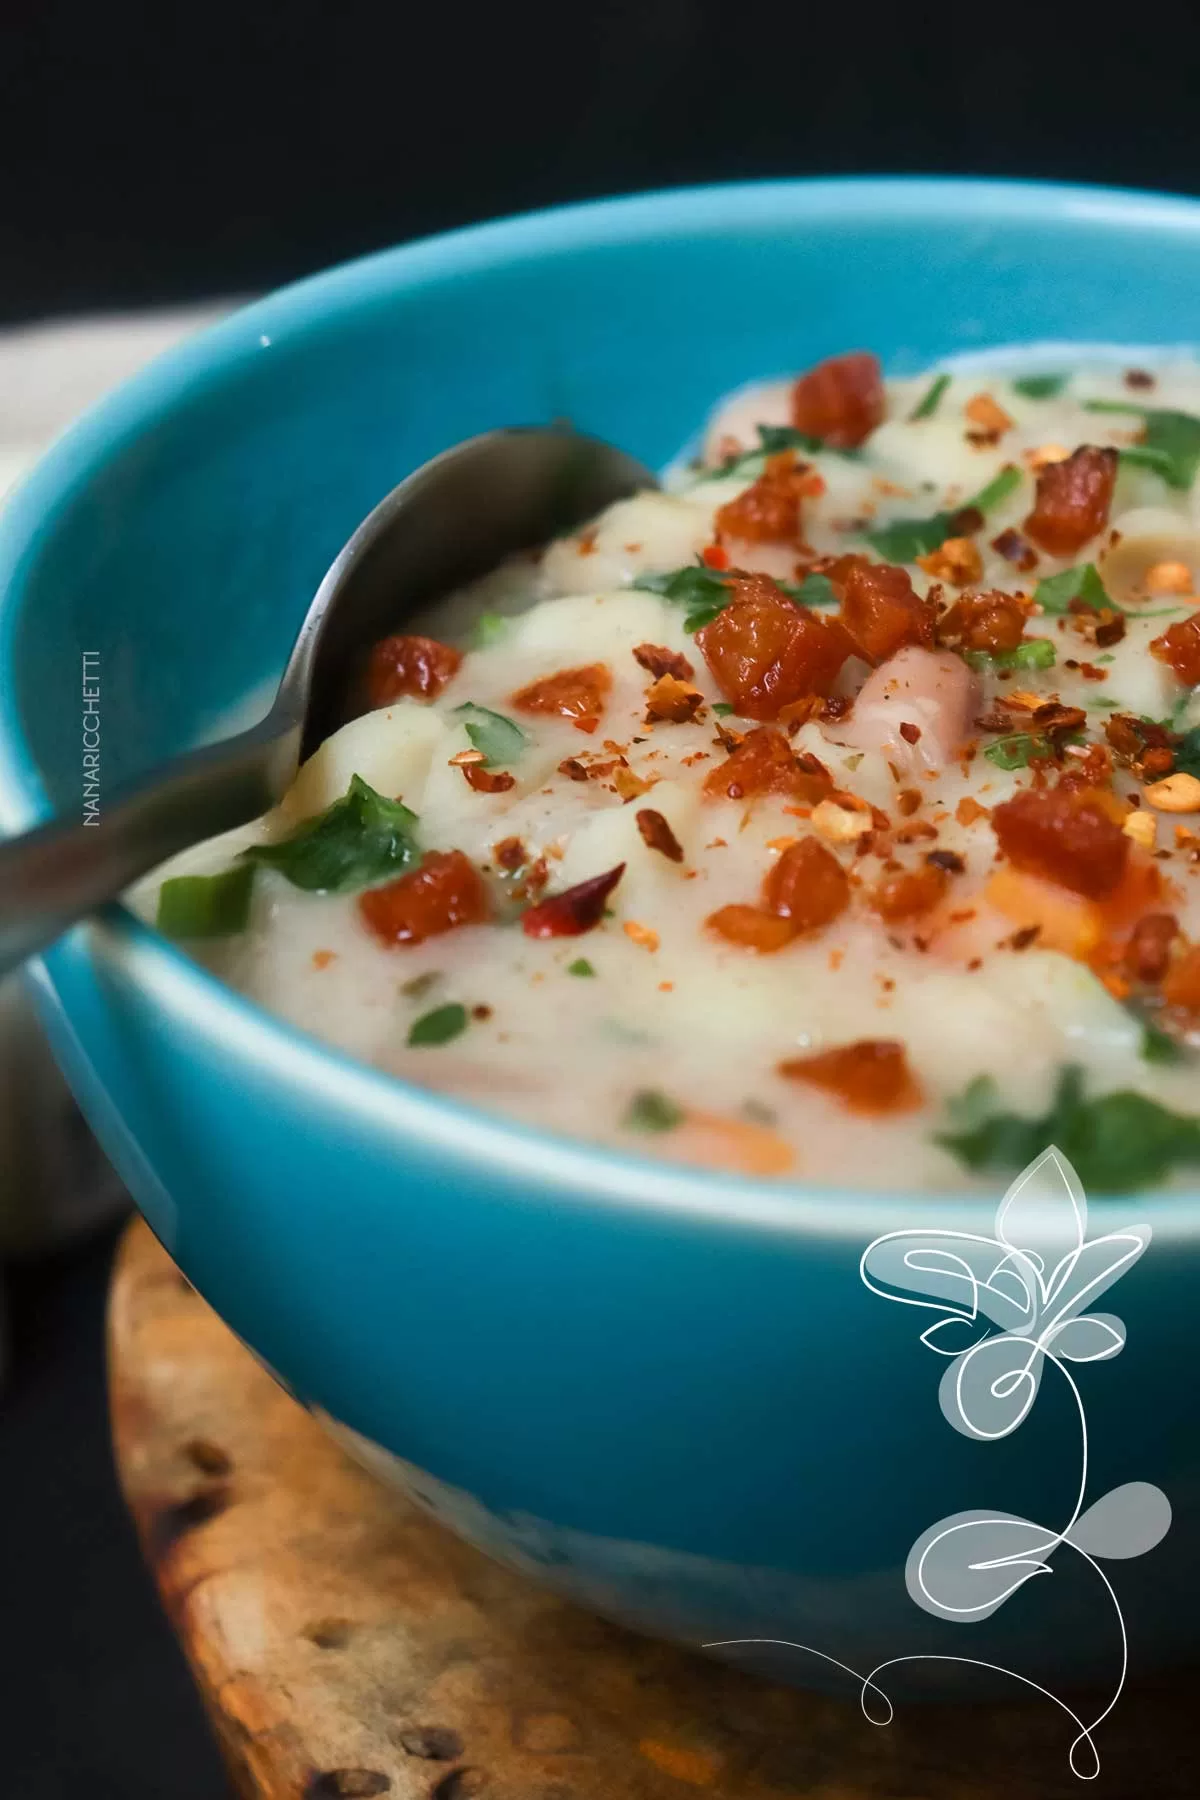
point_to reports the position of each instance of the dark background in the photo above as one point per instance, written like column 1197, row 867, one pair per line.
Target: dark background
column 151, row 152
column 156, row 151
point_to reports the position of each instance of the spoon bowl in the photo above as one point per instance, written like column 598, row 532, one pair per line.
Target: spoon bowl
column 457, row 516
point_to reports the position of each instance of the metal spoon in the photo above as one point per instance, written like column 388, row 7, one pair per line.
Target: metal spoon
column 457, row 517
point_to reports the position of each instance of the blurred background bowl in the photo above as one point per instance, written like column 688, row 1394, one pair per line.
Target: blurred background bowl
column 666, row 1394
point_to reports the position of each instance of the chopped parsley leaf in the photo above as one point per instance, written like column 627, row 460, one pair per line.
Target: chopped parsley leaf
column 1031, row 653
column 1117, row 1142
column 771, row 440
column 500, row 739
column 931, row 398
column 701, row 590
column 652, row 1111
column 1160, row 1047
column 814, row 590
column 490, row 628
column 1019, row 748
column 581, row 966
column 1187, row 752
column 722, row 708
column 206, row 906
column 1055, row 594
column 438, row 1026
column 1170, row 445
column 1040, row 387
column 906, row 539
column 362, row 838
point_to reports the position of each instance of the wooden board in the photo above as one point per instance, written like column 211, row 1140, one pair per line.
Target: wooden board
column 345, row 1645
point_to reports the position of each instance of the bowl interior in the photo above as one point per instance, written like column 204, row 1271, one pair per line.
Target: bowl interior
column 181, row 529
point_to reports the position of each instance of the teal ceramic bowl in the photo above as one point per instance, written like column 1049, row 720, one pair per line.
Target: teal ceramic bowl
column 671, row 1396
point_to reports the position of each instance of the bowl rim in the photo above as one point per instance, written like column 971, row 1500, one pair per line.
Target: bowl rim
column 175, row 984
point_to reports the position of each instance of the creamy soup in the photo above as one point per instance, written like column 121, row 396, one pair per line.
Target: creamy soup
column 836, row 812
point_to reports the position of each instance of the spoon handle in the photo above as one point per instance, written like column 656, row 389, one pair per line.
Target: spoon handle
column 56, row 874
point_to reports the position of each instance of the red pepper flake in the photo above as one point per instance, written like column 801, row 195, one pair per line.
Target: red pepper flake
column 672, row 702
column 869, row 1076
column 579, row 695
column 949, row 860
column 909, row 893
column 487, row 781
column 908, row 801
column 910, row 733
column 1138, row 378
column 992, row 622
column 444, row 892
column 510, row 853
column 404, row 666
column 751, row 928
column 714, row 556
column 1015, row 550
column 641, row 935
column 573, row 769
column 322, row 958
column 587, row 542
column 657, row 660
column 576, row 910
column 657, row 834
column 481, row 1012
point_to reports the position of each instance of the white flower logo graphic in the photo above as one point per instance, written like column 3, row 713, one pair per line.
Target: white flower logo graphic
column 1008, row 1307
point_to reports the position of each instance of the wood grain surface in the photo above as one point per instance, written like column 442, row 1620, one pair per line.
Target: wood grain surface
column 345, row 1645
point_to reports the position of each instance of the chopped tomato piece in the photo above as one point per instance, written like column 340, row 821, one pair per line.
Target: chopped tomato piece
column 765, row 652
column 881, row 610
column 753, row 927
column 870, row 1076
column 446, row 891
column 908, row 893
column 1068, row 836
column 992, row 622
column 807, row 886
column 416, row 668
column 1073, row 499
column 841, row 400
column 765, row 763
column 1179, row 648
column 576, row 694
column 768, row 512
column 576, row 910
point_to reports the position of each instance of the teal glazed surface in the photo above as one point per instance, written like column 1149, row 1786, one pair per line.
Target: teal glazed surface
column 670, row 1395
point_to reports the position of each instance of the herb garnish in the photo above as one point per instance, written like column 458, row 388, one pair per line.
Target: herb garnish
column 1187, row 752
column 360, row 839
column 701, row 590
column 1019, row 748
column 722, row 708
column 814, row 590
column 1040, row 387
column 500, row 739
column 1116, row 1141
column 1031, row 653
column 772, row 439
column 1170, row 445
column 205, row 906
column 906, row 539
column 652, row 1111
column 1160, row 1047
column 438, row 1026
column 931, row 399
column 581, row 966
column 1055, row 594
column 490, row 628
